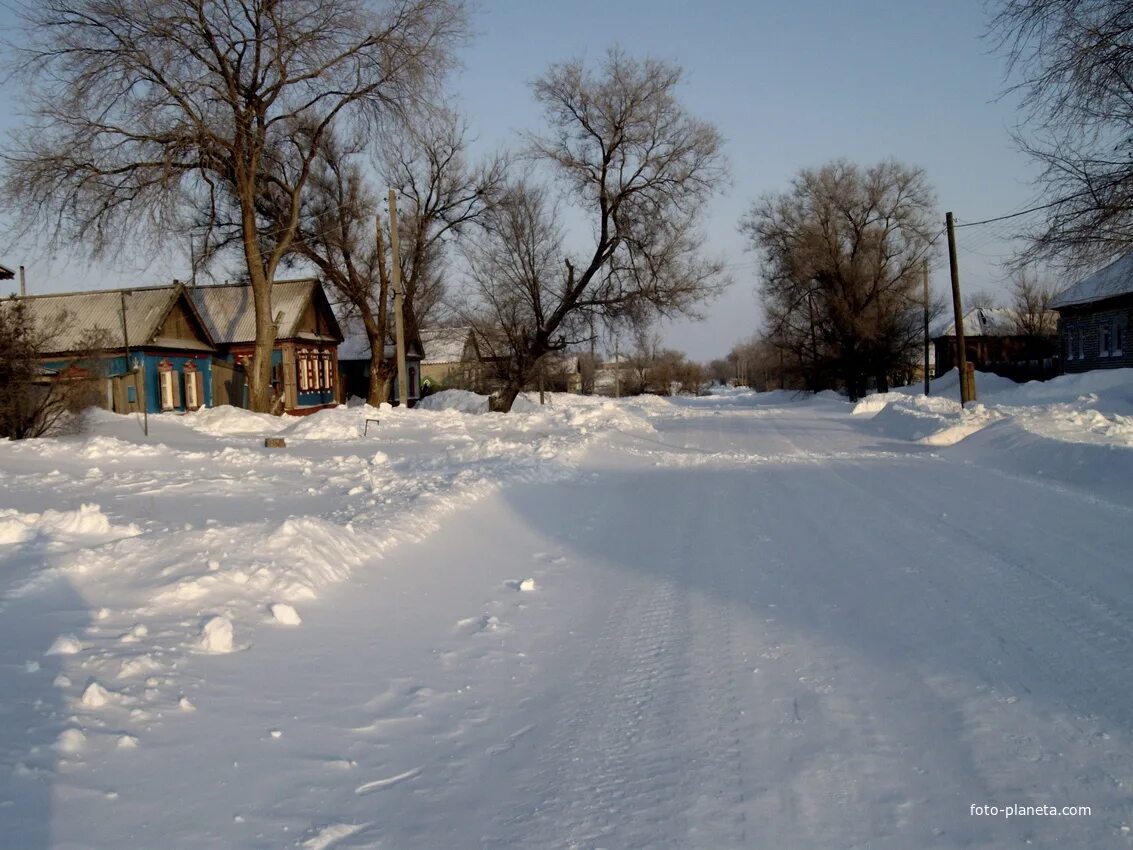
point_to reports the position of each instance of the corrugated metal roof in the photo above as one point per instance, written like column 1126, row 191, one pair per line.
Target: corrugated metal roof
column 1114, row 280
column 230, row 315
column 73, row 319
column 356, row 345
column 444, row 345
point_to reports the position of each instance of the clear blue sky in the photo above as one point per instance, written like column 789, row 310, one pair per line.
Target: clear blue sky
column 790, row 85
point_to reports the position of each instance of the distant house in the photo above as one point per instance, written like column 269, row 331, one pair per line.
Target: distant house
column 354, row 364
column 451, row 357
column 1094, row 319
column 305, row 359
column 993, row 343
column 150, row 345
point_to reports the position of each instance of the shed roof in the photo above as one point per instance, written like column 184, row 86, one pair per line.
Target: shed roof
column 74, row 318
column 1114, row 280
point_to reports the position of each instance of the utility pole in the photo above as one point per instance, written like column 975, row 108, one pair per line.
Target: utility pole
column 967, row 381
column 141, row 391
column 23, row 284
column 924, row 274
column 398, row 299
column 617, row 371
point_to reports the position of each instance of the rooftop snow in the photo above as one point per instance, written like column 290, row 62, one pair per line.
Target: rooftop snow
column 1115, row 279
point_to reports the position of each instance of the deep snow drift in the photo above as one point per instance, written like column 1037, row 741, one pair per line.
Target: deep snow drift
column 742, row 620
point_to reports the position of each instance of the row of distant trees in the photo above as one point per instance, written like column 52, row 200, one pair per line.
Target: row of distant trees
column 266, row 132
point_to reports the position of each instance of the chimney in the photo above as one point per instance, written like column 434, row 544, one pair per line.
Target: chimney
column 23, row 284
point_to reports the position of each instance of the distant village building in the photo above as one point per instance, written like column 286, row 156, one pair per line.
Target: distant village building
column 993, row 343
column 451, row 357
column 1094, row 319
column 354, row 362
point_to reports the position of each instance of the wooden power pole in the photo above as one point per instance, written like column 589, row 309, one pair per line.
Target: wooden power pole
column 398, row 299
column 924, row 274
column 967, row 382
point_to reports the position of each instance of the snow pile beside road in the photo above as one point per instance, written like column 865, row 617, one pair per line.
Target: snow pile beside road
column 227, row 421
column 87, row 524
column 1074, row 429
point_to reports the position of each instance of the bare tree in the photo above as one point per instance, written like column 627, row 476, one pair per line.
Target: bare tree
column 175, row 114
column 1030, row 303
column 444, row 194
column 842, row 251
column 514, row 283
column 1072, row 63
column 340, row 231
column 981, row 299
column 626, row 152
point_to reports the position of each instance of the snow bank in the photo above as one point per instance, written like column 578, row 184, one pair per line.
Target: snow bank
column 460, row 400
column 88, row 524
column 1073, row 429
column 334, row 423
column 227, row 421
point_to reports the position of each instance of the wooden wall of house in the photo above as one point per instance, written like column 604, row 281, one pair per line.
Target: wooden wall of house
column 181, row 324
column 1087, row 320
column 227, row 383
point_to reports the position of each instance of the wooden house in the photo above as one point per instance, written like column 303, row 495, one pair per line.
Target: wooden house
column 305, row 372
column 354, row 364
column 451, row 357
column 993, row 343
column 149, row 345
column 1094, row 319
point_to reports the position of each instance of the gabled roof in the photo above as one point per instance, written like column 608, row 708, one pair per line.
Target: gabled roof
column 74, row 318
column 980, row 321
column 1114, row 280
column 6, row 273
column 444, row 345
column 229, row 312
column 356, row 345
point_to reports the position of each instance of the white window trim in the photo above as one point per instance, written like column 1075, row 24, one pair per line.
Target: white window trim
column 301, row 364
column 191, row 400
column 165, row 379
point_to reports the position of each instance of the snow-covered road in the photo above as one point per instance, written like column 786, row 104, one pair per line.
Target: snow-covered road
column 757, row 626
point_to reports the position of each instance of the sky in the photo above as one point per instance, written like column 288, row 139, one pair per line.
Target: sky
column 789, row 85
